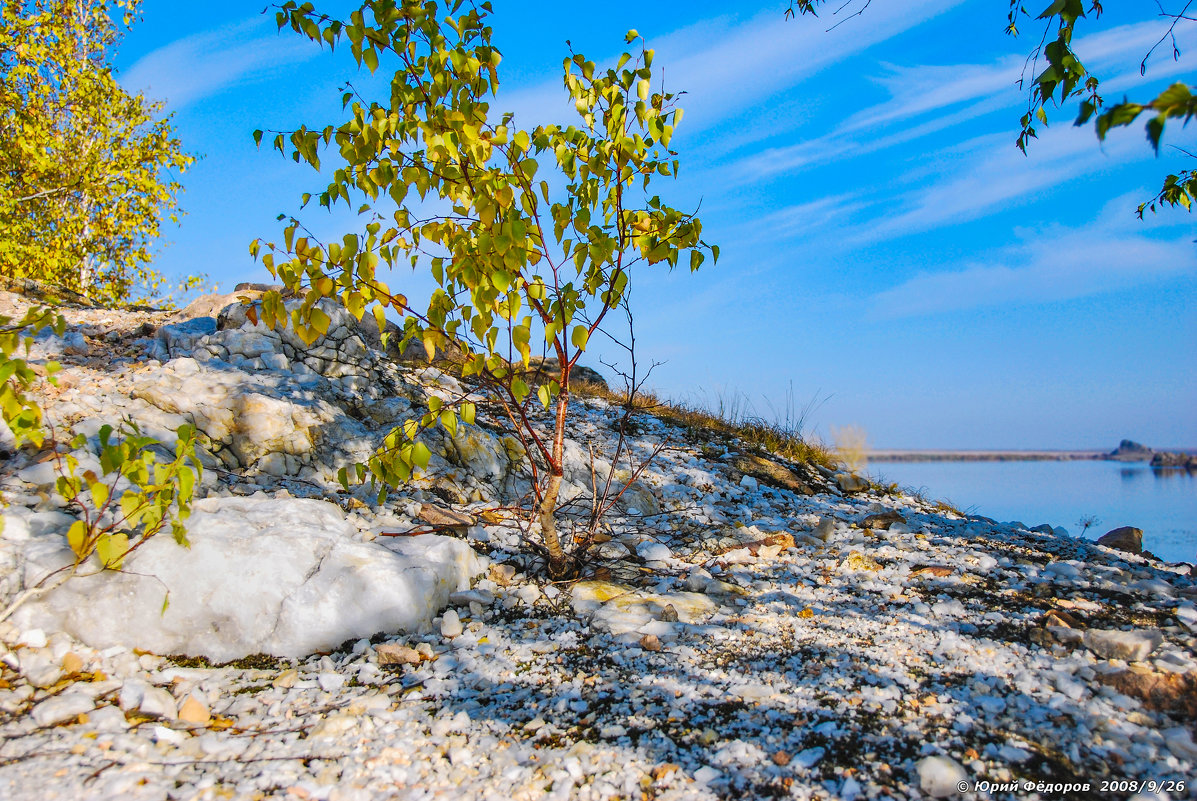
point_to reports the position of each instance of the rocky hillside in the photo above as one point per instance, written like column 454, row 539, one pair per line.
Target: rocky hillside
column 749, row 628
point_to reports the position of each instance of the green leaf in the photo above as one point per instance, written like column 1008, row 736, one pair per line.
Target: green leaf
column 579, row 336
column 1055, row 8
column 467, row 413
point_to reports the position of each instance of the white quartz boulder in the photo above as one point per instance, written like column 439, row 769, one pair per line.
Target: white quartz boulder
column 284, row 577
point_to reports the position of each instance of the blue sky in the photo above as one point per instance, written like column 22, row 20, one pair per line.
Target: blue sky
column 886, row 249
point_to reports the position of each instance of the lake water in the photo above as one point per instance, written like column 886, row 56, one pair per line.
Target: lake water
column 1163, row 503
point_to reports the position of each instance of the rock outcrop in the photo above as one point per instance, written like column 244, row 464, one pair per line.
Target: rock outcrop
column 285, row 577
column 1130, row 451
column 1177, row 459
column 1126, row 538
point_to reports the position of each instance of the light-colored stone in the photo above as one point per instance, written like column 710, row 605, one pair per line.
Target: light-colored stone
column 824, row 529
column 283, row 577
column 157, row 703
column 850, row 482
column 451, row 624
column 397, row 654
column 940, row 776
column 651, row 551
column 62, row 708
column 502, row 574
column 1128, row 645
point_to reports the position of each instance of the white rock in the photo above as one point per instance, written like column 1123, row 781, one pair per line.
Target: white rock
column 1012, row 753
column 529, row 594
column 1180, row 743
column 158, row 703
column 466, row 597
column 1154, row 587
column 450, row 624
column 331, row 682
column 279, row 576
column 1187, row 615
column 824, row 529
column 33, row 638
column 162, row 734
column 12, row 526
column 1129, row 645
column 653, row 552
column 334, row 726
column 131, row 694
column 940, row 776
column 108, row 718
column 61, row 708
column 810, row 757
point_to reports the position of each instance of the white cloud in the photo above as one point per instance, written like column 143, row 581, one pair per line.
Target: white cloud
column 989, row 174
column 824, row 214
column 944, row 96
column 1113, row 252
column 725, row 65
column 204, row 64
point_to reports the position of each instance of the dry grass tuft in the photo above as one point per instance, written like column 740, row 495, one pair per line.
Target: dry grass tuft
column 725, row 422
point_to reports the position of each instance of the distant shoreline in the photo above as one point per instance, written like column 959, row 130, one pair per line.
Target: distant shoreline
column 986, row 456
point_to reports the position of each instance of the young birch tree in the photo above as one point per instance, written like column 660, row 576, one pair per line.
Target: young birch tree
column 530, row 235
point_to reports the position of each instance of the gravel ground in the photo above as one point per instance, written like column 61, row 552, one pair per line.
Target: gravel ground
column 741, row 641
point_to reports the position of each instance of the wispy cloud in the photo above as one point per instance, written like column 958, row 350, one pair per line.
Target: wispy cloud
column 728, row 64
column 814, row 217
column 1051, row 264
column 204, row 64
column 988, row 175
column 926, row 99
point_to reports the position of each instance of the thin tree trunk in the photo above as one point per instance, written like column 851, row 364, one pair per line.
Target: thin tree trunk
column 559, row 566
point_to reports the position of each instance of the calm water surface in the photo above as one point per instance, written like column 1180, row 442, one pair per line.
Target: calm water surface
column 1162, row 503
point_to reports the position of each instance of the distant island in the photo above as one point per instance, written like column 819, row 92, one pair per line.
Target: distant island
column 1127, row 451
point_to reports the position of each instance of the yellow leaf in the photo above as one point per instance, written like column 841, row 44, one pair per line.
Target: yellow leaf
column 77, row 537
column 320, row 321
column 111, row 549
